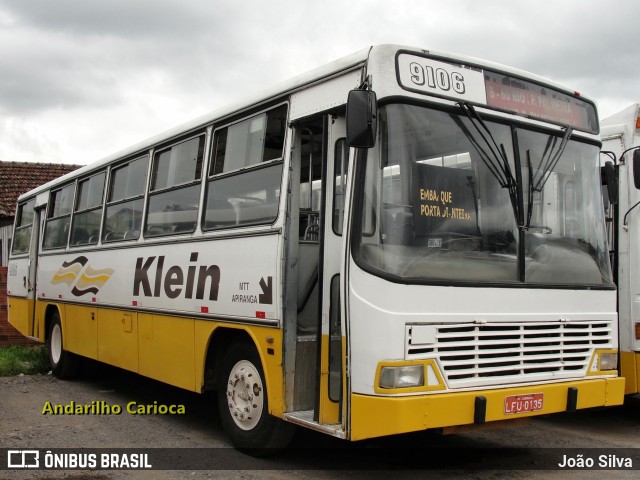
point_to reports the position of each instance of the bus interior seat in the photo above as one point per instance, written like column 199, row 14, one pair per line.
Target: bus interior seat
column 113, row 236
column 80, row 236
column 186, row 227
column 312, row 233
column 309, row 229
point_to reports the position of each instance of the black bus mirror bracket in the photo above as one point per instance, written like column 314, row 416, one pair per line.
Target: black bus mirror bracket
column 362, row 118
column 636, row 182
column 636, row 168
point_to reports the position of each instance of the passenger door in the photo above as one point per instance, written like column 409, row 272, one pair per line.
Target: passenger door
column 331, row 340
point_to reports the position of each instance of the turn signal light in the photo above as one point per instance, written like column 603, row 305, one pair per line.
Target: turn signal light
column 637, row 331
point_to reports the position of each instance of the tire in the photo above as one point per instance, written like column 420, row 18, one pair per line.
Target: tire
column 64, row 364
column 243, row 404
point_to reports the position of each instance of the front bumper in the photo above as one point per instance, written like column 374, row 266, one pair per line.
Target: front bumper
column 376, row 416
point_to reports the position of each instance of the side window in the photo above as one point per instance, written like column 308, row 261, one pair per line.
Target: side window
column 246, row 171
column 175, row 188
column 85, row 228
column 24, row 224
column 125, row 200
column 56, row 230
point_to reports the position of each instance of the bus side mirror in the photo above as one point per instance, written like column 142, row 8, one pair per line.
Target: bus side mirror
column 362, row 118
column 611, row 181
column 636, row 168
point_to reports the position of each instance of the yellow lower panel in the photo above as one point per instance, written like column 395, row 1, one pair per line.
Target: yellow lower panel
column 118, row 338
column 630, row 370
column 80, row 328
column 20, row 314
column 329, row 410
column 376, row 416
column 167, row 349
column 268, row 341
column 41, row 310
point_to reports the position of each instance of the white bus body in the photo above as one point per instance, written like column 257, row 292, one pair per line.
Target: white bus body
column 453, row 274
column 621, row 136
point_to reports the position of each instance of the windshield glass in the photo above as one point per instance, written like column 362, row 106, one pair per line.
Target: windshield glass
column 449, row 197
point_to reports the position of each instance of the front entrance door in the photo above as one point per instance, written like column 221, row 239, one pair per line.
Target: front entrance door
column 315, row 358
column 330, row 350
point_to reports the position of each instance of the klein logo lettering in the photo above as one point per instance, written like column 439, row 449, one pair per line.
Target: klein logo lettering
column 23, row 459
column 79, row 275
column 173, row 282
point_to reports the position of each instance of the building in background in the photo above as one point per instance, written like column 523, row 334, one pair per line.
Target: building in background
column 15, row 179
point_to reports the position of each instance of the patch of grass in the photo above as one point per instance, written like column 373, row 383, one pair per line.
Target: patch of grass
column 17, row 359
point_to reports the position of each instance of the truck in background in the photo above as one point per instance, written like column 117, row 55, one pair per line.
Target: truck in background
column 620, row 158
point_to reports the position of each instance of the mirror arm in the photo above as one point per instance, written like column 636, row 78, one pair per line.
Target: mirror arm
column 624, row 221
column 621, row 159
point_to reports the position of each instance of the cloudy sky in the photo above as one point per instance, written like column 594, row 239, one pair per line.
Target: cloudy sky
column 81, row 79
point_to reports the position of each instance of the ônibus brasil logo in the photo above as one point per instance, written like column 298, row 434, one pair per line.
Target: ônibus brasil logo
column 79, row 275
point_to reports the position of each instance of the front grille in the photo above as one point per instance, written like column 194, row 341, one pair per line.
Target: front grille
column 474, row 355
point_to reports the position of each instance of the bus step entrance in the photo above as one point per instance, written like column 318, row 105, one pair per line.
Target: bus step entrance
column 305, row 419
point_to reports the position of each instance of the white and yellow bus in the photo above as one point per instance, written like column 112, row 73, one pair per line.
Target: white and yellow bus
column 398, row 241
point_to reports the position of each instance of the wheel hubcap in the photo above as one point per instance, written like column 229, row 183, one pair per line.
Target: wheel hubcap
column 56, row 344
column 245, row 395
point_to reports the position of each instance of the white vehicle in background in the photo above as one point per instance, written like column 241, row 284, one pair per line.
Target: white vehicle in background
column 621, row 147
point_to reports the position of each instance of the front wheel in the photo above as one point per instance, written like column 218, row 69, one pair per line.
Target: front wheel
column 63, row 364
column 243, row 404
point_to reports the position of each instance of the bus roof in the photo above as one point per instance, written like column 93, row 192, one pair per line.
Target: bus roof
column 344, row 64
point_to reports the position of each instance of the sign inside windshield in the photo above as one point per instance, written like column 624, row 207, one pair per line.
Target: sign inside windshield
column 444, row 201
column 495, row 90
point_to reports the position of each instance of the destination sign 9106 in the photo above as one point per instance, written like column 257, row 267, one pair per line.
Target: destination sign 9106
column 443, row 79
column 495, row 90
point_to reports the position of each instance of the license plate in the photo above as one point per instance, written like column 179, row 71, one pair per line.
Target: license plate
column 531, row 402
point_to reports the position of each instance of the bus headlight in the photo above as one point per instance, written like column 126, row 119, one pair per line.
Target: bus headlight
column 608, row 361
column 402, row 376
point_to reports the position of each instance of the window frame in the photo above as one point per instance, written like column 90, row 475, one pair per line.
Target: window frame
column 150, row 193
column 21, row 227
column 92, row 208
column 210, row 178
column 126, row 199
column 50, row 218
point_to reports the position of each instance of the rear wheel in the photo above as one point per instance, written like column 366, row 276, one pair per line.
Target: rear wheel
column 243, row 404
column 63, row 364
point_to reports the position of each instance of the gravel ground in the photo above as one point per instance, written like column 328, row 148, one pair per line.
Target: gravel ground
column 501, row 454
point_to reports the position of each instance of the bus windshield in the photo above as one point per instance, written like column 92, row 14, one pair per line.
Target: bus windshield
column 448, row 197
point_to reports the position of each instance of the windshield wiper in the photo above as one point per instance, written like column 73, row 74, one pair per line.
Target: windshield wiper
column 495, row 158
column 552, row 158
column 547, row 164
